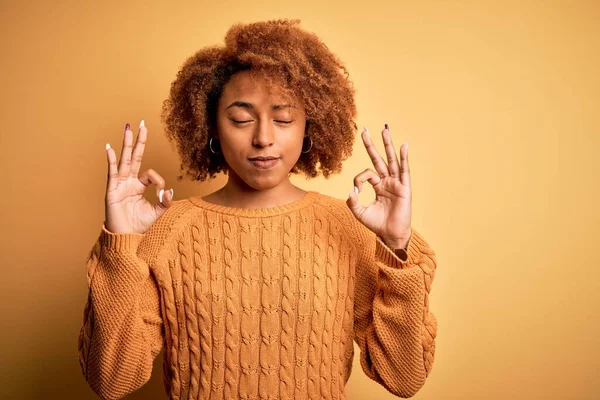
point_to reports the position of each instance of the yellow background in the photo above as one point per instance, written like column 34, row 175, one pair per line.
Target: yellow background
column 498, row 101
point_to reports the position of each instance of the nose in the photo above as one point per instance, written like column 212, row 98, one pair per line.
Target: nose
column 264, row 134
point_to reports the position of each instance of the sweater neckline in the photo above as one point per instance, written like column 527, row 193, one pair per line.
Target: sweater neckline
column 308, row 198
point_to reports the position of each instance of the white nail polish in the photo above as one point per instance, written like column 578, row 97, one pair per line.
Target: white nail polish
column 107, row 146
column 142, row 123
column 160, row 194
column 355, row 190
column 172, row 193
column 366, row 130
column 406, row 145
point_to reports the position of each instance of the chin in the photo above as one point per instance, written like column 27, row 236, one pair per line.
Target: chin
column 263, row 184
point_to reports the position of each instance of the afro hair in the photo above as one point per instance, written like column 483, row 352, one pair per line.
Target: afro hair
column 296, row 61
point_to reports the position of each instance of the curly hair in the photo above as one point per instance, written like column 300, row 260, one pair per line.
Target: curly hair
column 298, row 62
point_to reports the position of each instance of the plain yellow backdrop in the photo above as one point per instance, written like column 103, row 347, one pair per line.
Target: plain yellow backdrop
column 499, row 102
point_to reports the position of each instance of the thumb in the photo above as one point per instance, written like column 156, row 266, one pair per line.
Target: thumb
column 354, row 204
column 165, row 199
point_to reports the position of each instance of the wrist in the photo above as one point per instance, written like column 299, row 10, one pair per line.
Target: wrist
column 397, row 243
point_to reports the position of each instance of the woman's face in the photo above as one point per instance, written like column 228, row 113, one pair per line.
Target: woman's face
column 251, row 122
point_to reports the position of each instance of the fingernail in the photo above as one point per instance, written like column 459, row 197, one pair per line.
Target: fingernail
column 142, row 123
column 366, row 130
column 107, row 146
column 407, row 145
column 127, row 127
column 355, row 190
column 172, row 193
column 160, row 194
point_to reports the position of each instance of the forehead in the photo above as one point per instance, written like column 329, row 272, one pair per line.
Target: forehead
column 253, row 88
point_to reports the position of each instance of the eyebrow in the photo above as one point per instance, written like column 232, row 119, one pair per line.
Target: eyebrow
column 244, row 104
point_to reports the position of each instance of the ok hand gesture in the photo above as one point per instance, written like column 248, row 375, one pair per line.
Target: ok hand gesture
column 127, row 211
column 389, row 216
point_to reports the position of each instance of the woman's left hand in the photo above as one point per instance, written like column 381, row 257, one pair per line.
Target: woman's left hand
column 390, row 214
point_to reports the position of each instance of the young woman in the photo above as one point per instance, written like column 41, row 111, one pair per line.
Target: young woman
column 257, row 291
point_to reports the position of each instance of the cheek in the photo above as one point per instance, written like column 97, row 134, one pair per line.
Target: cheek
column 230, row 152
column 229, row 146
column 297, row 146
column 293, row 149
column 299, row 136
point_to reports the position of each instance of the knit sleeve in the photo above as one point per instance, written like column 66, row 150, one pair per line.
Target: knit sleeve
column 393, row 326
column 122, row 328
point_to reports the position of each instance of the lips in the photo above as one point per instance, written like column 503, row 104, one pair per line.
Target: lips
column 263, row 158
column 264, row 162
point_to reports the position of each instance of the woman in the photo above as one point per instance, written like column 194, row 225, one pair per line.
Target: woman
column 257, row 291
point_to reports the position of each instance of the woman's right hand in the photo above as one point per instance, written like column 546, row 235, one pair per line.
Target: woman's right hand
column 127, row 211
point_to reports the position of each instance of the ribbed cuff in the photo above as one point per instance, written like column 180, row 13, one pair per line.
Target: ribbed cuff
column 386, row 255
column 120, row 261
column 120, row 242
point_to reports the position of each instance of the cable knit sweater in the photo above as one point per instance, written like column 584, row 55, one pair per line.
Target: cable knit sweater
column 256, row 304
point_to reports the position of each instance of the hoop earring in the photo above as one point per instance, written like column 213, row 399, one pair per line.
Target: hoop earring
column 210, row 146
column 311, row 143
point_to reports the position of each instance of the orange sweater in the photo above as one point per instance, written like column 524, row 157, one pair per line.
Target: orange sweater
column 256, row 304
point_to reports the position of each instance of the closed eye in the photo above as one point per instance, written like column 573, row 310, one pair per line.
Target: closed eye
column 235, row 121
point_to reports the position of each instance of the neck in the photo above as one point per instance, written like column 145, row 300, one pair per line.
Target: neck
column 240, row 195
